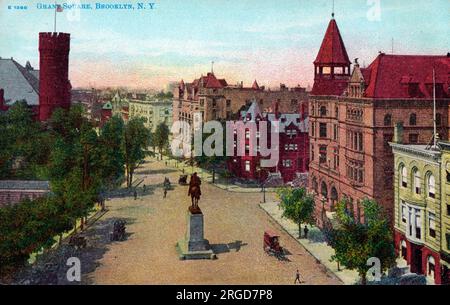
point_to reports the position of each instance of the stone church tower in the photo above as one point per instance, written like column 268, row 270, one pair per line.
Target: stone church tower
column 54, row 85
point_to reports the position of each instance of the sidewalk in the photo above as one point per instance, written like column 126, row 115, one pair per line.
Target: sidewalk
column 314, row 244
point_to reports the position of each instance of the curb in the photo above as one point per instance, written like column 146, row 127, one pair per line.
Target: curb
column 304, row 247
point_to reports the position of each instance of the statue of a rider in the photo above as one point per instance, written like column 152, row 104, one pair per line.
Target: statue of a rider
column 195, row 192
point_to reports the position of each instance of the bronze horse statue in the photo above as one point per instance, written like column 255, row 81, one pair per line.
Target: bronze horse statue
column 195, row 191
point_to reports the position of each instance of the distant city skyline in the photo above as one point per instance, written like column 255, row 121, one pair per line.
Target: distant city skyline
column 265, row 40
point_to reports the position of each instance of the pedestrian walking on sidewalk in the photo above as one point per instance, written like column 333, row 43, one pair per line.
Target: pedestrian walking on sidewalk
column 306, row 230
column 297, row 277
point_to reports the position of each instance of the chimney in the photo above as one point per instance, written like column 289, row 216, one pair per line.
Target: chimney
column 398, row 133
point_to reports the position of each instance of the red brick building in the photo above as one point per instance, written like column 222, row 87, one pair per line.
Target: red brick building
column 293, row 145
column 54, row 84
column 352, row 119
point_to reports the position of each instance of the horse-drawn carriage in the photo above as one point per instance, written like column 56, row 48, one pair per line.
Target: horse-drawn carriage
column 272, row 246
column 183, row 180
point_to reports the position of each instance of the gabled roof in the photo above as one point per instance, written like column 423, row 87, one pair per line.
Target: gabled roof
column 18, row 83
column 389, row 76
column 332, row 50
column 255, row 85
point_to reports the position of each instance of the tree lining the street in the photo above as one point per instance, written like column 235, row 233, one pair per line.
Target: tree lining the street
column 79, row 165
column 136, row 139
column 355, row 242
column 298, row 206
column 161, row 137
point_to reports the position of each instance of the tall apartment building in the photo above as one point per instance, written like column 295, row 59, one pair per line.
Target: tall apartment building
column 422, row 209
column 215, row 99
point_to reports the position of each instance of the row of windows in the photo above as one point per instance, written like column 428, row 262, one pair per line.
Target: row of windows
column 412, row 119
column 416, row 181
column 355, row 140
column 355, row 172
column 285, row 163
column 412, row 218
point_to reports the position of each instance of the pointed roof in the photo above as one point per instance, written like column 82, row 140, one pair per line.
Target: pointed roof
column 255, row 85
column 332, row 50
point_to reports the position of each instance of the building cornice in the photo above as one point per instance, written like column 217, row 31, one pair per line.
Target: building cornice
column 431, row 155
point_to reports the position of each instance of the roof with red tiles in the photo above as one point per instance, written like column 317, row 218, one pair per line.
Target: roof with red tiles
column 407, row 76
column 332, row 50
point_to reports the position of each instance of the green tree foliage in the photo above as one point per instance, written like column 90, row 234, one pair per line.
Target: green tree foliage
column 28, row 227
column 78, row 162
column 110, row 155
column 22, row 153
column 136, row 139
column 164, row 95
column 161, row 137
column 297, row 206
column 356, row 242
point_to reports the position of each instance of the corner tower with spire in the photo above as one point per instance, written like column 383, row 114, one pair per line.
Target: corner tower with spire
column 332, row 65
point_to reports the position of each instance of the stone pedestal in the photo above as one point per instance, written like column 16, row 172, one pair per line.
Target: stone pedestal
column 194, row 245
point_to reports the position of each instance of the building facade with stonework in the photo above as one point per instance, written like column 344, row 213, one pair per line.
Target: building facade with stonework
column 215, row 99
column 352, row 117
column 422, row 209
column 292, row 150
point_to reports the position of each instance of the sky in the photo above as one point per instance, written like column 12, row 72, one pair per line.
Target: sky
column 271, row 41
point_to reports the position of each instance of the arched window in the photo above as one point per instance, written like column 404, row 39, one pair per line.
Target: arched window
column 416, row 181
column 413, row 119
column 404, row 176
column 404, row 249
column 431, row 186
column 387, row 120
column 431, row 266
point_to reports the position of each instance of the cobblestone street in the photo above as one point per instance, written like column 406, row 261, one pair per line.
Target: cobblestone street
column 234, row 225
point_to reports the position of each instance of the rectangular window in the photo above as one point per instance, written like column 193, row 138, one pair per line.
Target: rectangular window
column 313, row 129
column 335, row 132
column 323, row 130
column 312, row 152
column 403, row 213
column 361, row 143
column 418, row 224
column 448, row 241
column 247, row 166
column 228, row 103
column 432, row 225
column 322, row 154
